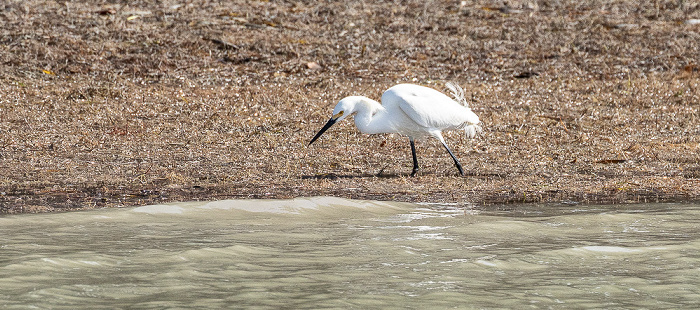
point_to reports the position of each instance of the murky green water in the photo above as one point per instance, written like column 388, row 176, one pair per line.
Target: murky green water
column 335, row 253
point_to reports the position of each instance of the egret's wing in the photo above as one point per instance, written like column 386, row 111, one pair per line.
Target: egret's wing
column 428, row 107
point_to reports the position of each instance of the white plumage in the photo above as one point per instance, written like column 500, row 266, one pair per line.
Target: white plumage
column 411, row 110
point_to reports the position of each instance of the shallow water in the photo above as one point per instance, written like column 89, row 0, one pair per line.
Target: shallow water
column 336, row 253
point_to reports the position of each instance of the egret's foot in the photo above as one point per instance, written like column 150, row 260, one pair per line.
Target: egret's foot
column 415, row 170
column 379, row 174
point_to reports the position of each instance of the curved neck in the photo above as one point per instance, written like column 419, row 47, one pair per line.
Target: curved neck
column 368, row 114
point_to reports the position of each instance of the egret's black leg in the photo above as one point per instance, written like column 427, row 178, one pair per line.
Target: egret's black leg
column 415, row 159
column 459, row 166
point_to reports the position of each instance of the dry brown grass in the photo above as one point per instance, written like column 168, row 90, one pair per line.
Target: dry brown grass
column 105, row 104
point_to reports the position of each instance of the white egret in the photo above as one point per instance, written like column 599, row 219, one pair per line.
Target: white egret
column 410, row 110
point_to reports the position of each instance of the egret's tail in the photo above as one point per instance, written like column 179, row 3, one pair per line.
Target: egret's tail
column 471, row 126
column 472, row 130
column 457, row 93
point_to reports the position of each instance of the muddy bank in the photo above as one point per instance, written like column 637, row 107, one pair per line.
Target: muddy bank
column 108, row 105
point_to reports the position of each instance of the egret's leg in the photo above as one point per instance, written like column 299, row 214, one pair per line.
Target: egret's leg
column 459, row 166
column 415, row 159
column 442, row 140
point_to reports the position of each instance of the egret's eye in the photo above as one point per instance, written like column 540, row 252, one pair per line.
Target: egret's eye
column 339, row 114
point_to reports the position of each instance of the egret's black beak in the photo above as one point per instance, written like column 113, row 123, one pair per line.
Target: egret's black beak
column 325, row 127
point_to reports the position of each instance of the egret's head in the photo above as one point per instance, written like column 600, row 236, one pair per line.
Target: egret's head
column 343, row 109
column 346, row 107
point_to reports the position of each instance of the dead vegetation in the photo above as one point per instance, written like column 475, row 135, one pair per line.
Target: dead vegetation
column 108, row 104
